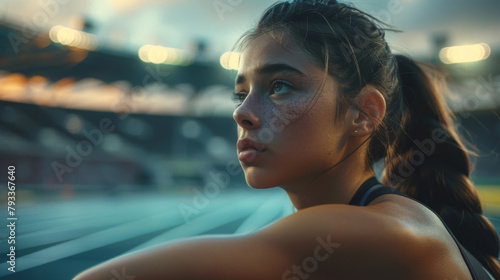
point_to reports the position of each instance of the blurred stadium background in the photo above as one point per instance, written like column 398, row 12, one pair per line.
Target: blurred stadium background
column 118, row 118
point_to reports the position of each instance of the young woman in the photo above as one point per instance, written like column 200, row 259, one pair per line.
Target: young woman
column 322, row 98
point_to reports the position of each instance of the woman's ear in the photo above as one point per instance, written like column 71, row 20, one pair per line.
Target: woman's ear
column 370, row 112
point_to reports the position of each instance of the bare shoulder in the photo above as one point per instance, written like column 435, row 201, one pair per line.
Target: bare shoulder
column 393, row 238
column 438, row 253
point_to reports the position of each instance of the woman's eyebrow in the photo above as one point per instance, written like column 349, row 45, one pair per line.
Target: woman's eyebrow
column 273, row 68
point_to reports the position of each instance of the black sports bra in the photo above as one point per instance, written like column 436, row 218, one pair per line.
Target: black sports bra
column 372, row 189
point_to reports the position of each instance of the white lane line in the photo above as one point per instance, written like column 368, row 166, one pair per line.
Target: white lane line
column 214, row 219
column 73, row 229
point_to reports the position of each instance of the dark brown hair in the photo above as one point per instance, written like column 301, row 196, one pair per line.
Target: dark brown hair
column 423, row 153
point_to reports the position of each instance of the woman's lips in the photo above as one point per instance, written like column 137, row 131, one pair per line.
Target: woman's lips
column 249, row 149
column 249, row 154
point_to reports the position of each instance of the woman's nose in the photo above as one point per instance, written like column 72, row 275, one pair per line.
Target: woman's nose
column 246, row 116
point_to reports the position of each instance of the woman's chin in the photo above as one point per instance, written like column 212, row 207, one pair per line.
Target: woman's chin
column 259, row 184
column 260, row 178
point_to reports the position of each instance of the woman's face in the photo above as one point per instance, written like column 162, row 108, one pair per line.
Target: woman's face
column 288, row 109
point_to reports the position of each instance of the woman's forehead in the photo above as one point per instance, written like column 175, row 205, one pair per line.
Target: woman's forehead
column 266, row 50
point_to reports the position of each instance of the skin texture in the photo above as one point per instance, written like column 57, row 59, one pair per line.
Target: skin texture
column 392, row 238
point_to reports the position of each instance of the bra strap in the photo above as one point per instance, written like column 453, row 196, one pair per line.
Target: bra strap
column 380, row 190
column 362, row 190
column 365, row 197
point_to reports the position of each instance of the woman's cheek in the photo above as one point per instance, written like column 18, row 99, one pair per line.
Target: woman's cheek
column 289, row 111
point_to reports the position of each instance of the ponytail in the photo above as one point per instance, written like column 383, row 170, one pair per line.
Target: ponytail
column 428, row 161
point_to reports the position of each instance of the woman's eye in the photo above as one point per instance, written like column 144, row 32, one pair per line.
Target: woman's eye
column 280, row 87
column 239, row 98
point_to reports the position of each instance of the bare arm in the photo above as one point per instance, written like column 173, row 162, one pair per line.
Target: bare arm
column 326, row 240
column 243, row 257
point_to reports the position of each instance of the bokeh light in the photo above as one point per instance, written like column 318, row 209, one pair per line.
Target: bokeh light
column 230, row 60
column 73, row 123
column 73, row 38
column 163, row 55
column 464, row 54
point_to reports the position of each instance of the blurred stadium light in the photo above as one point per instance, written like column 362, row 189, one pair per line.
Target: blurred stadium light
column 464, row 54
column 230, row 60
column 160, row 54
column 73, row 38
